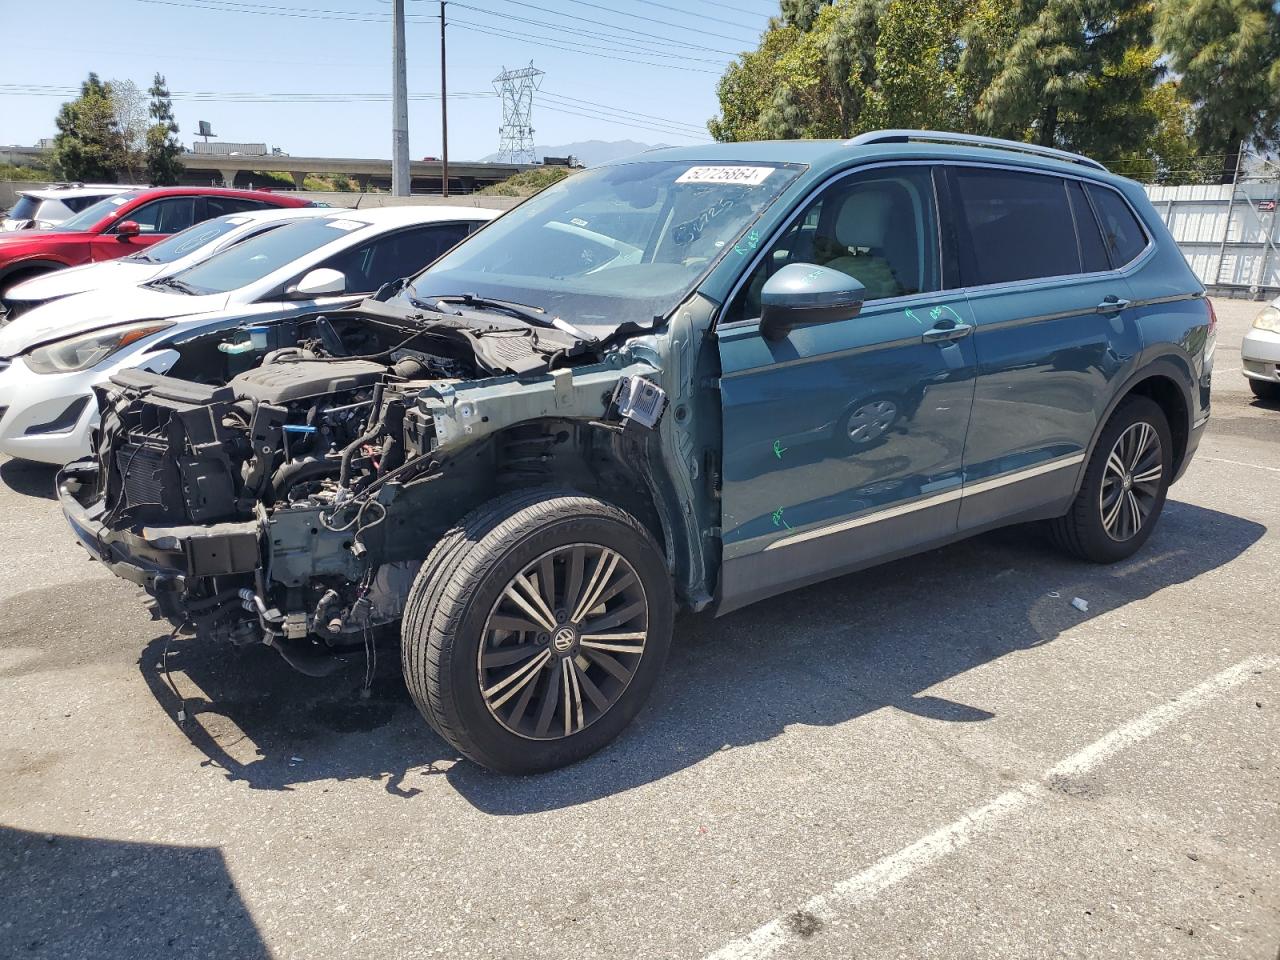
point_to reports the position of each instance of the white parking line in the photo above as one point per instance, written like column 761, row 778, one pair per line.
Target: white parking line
column 1241, row 463
column 866, row 885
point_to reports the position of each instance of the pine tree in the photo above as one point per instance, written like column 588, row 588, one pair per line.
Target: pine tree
column 1062, row 72
column 88, row 144
column 1228, row 55
column 163, row 148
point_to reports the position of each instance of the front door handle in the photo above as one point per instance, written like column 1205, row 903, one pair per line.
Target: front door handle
column 1112, row 304
column 947, row 331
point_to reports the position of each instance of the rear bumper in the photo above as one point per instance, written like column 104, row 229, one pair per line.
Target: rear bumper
column 164, row 561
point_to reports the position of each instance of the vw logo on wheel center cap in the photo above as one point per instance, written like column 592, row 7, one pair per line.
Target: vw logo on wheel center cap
column 562, row 640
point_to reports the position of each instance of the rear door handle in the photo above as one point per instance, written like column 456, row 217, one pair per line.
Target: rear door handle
column 942, row 333
column 1112, row 304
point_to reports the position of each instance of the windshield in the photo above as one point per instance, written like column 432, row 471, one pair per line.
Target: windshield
column 255, row 258
column 189, row 240
column 611, row 245
column 90, row 215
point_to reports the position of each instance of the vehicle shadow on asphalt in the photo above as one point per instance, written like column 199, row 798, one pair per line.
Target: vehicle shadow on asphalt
column 820, row 656
column 29, row 478
column 67, row 896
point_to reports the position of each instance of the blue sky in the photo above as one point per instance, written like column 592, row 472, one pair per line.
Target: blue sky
column 342, row 47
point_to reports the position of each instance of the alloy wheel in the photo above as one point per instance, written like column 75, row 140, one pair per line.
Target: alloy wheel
column 1131, row 481
column 563, row 641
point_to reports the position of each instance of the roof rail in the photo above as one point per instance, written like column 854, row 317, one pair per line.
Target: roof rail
column 973, row 140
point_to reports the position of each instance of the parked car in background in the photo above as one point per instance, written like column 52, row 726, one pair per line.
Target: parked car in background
column 46, row 207
column 192, row 323
column 170, row 255
column 121, row 224
column 1260, row 353
column 695, row 378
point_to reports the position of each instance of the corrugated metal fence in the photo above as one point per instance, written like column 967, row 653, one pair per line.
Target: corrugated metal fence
column 1230, row 234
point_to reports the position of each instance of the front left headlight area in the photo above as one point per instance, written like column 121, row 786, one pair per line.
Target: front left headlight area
column 1268, row 319
column 88, row 349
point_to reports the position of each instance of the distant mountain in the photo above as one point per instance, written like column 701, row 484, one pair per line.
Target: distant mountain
column 589, row 152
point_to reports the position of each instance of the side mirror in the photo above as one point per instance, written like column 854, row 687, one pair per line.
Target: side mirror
column 804, row 293
column 127, row 229
column 318, row 282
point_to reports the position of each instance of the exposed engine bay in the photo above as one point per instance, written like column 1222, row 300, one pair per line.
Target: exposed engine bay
column 293, row 503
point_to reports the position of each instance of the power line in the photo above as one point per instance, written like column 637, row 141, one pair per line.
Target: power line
column 633, row 113
column 569, row 16
column 738, row 8
column 53, row 90
column 297, row 13
column 690, row 13
column 628, row 48
column 647, row 63
column 663, row 23
column 624, row 123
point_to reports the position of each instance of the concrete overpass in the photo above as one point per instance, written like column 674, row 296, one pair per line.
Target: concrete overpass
column 425, row 175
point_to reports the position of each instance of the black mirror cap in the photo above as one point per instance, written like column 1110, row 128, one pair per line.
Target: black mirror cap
column 778, row 320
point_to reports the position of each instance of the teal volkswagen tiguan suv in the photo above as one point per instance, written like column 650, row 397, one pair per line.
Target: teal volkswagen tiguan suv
column 695, row 378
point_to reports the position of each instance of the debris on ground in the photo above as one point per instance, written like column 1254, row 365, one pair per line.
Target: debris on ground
column 1081, row 605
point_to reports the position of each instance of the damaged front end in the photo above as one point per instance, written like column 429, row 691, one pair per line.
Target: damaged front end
column 293, row 504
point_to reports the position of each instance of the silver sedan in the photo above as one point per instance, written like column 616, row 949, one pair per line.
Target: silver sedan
column 1260, row 353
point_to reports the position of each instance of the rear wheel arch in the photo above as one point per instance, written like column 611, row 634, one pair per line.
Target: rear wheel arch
column 1166, row 380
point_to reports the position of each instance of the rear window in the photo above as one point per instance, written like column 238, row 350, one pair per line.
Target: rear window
column 1121, row 232
column 24, row 209
column 1019, row 226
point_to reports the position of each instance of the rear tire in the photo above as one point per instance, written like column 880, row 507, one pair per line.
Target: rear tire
column 1124, row 486
column 1265, row 390
column 511, row 651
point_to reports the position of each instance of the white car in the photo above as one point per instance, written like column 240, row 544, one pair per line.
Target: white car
column 170, row 255
column 191, row 323
column 49, row 206
column 1260, row 353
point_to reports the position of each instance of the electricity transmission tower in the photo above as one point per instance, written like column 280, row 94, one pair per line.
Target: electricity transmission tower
column 515, row 136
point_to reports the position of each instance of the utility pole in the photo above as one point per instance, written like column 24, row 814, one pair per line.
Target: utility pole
column 399, row 105
column 444, row 111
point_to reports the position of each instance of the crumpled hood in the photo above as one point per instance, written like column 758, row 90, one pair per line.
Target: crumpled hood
column 96, row 309
column 89, row 276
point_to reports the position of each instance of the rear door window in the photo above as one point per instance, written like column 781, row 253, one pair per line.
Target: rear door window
column 1093, row 254
column 220, row 206
column 1121, row 232
column 1013, row 226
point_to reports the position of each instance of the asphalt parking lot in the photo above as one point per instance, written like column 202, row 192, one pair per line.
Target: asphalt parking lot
column 937, row 758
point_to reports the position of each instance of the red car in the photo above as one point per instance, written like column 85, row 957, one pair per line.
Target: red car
column 122, row 224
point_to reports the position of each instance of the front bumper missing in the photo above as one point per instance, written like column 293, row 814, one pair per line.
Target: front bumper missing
column 161, row 560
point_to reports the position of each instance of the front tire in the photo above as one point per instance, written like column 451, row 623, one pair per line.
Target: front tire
column 536, row 629
column 1124, row 486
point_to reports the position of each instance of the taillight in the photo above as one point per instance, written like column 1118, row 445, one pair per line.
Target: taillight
column 1213, row 318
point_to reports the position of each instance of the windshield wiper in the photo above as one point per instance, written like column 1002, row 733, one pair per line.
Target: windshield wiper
column 521, row 311
column 180, row 285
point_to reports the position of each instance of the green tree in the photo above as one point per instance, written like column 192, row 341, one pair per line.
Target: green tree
column 1227, row 53
column 1066, row 73
column 88, row 145
column 163, row 148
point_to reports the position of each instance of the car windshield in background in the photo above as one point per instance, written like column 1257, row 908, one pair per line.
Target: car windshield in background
column 611, row 245
column 90, row 215
column 189, row 240
column 255, row 258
